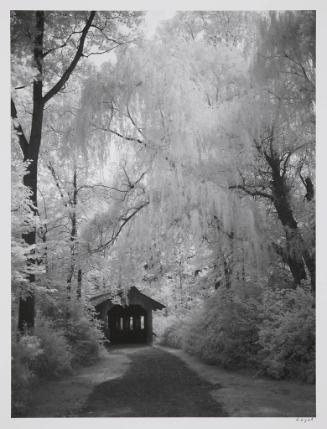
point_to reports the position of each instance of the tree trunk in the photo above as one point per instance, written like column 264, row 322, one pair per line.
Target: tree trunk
column 73, row 232
column 297, row 256
column 44, row 258
column 31, row 154
column 310, row 262
column 31, row 148
column 26, row 305
column 79, row 283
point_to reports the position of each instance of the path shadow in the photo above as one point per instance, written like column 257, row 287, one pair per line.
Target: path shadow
column 157, row 384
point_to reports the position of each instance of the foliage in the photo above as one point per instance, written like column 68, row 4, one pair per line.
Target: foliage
column 46, row 354
column 225, row 332
column 56, row 357
column 25, row 350
column 66, row 335
column 23, row 220
column 287, row 335
column 273, row 331
column 83, row 333
column 171, row 332
column 76, row 321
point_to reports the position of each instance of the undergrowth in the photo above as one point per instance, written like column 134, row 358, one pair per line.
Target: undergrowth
column 271, row 331
column 66, row 335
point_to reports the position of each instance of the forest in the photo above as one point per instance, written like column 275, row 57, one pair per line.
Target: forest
column 180, row 161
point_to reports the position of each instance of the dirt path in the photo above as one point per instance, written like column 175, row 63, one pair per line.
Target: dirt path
column 244, row 394
column 157, row 384
column 143, row 381
column 66, row 396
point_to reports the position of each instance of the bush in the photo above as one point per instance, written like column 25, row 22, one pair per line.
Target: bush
column 82, row 331
column 172, row 336
column 25, row 349
column 71, row 336
column 272, row 331
column 79, row 325
column 287, row 335
column 225, row 332
column 84, row 335
column 46, row 354
column 56, row 357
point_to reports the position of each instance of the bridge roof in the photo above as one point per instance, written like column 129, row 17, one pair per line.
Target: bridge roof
column 134, row 297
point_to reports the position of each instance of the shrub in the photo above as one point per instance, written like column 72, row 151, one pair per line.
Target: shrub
column 78, row 323
column 273, row 331
column 66, row 333
column 83, row 333
column 56, row 357
column 287, row 335
column 172, row 336
column 160, row 322
column 25, row 349
column 46, row 354
column 225, row 332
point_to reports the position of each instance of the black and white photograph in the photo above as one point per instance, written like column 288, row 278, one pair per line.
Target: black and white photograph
column 163, row 212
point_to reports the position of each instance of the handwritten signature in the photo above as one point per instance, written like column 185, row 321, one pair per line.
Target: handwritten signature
column 305, row 419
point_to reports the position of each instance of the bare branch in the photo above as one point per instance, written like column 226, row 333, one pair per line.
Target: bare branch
column 100, row 53
column 128, row 138
column 111, row 188
column 110, row 39
column 124, row 220
column 285, row 164
column 139, row 179
column 133, row 122
column 301, row 67
column 79, row 52
column 253, row 193
column 63, row 45
column 57, row 183
column 128, row 180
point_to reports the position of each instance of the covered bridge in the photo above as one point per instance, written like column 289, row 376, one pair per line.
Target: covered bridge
column 131, row 320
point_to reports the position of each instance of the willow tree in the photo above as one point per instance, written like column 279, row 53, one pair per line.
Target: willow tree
column 46, row 49
column 172, row 104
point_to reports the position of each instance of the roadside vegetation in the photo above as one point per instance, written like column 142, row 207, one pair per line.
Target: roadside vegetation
column 269, row 331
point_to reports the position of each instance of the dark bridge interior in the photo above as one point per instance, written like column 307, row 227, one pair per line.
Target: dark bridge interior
column 128, row 324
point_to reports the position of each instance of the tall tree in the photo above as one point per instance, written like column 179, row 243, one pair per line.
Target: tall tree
column 51, row 44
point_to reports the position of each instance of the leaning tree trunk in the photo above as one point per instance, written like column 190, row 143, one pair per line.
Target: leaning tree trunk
column 297, row 256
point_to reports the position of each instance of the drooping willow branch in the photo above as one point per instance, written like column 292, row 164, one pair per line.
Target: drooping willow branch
column 121, row 224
